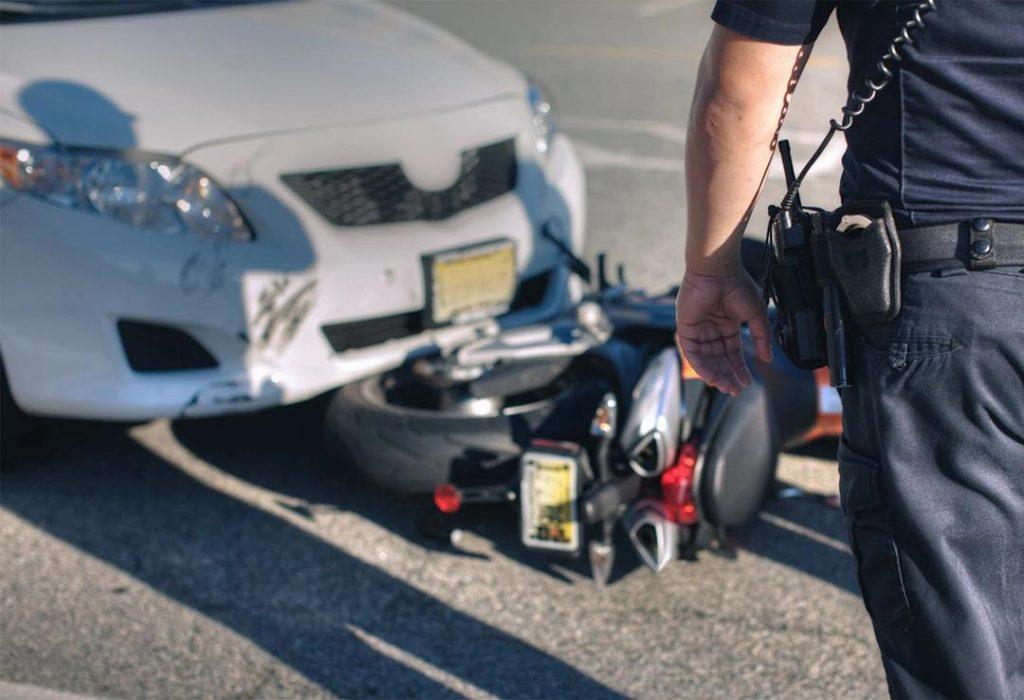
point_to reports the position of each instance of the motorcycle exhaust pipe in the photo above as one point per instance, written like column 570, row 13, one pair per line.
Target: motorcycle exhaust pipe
column 654, row 536
column 650, row 435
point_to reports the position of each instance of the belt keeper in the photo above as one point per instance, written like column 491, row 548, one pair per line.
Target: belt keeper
column 982, row 248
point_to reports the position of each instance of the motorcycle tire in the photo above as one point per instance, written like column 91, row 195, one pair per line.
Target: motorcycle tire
column 411, row 450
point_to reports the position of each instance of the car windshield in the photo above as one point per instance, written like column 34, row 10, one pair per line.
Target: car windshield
column 22, row 10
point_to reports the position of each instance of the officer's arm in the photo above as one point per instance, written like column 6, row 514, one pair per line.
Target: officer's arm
column 743, row 87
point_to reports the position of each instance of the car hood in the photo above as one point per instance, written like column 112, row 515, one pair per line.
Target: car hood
column 170, row 81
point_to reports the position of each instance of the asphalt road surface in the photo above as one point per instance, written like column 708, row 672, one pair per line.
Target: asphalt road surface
column 230, row 558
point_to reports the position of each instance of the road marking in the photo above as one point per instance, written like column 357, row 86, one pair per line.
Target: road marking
column 597, row 157
column 690, row 56
column 653, row 9
column 804, row 531
column 669, row 131
column 615, row 53
column 438, row 675
column 23, row 691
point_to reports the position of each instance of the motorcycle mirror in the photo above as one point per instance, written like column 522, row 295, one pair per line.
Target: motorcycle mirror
column 650, row 435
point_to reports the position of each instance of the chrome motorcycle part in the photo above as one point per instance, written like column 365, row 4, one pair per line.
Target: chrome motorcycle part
column 650, row 435
column 655, row 537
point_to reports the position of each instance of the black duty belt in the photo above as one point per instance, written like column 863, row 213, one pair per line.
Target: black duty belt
column 978, row 244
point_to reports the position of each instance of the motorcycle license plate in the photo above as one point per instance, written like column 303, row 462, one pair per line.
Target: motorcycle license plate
column 470, row 283
column 548, row 489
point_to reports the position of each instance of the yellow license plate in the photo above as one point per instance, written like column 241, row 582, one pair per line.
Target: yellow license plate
column 548, row 502
column 470, row 283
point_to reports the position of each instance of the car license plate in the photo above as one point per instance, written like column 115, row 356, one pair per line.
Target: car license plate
column 548, row 503
column 467, row 284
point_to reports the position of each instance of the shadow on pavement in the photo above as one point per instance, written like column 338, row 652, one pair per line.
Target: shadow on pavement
column 282, row 450
column 804, row 533
column 296, row 596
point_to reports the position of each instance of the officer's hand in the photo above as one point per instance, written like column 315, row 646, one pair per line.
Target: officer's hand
column 710, row 309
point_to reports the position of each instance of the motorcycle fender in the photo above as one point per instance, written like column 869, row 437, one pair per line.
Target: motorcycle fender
column 740, row 456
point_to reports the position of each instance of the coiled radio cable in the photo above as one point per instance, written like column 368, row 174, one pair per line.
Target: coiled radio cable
column 858, row 100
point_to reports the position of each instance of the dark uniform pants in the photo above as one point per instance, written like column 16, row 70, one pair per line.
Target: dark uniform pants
column 932, row 482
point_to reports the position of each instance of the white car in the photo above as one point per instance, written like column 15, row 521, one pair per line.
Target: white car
column 218, row 207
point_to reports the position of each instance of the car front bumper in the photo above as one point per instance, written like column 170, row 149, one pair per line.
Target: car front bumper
column 68, row 277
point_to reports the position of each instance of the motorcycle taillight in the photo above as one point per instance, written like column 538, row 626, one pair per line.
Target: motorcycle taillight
column 447, row 498
column 677, row 487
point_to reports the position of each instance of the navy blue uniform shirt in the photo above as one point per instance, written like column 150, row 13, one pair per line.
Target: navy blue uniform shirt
column 945, row 140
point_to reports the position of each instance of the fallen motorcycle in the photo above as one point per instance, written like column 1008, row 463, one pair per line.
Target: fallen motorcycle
column 584, row 423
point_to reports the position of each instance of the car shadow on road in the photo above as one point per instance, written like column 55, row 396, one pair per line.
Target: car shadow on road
column 303, row 600
column 282, row 450
column 802, row 533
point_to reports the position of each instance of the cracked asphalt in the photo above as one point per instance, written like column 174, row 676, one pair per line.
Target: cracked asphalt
column 230, row 558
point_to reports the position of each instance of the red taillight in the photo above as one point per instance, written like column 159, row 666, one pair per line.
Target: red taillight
column 677, row 487
column 447, row 498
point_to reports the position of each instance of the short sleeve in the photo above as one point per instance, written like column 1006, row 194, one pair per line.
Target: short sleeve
column 792, row 22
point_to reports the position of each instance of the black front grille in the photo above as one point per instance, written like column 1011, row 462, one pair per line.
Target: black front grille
column 374, row 331
column 149, row 347
column 381, row 194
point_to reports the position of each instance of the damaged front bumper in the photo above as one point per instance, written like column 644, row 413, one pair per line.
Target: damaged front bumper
column 71, row 285
column 258, row 312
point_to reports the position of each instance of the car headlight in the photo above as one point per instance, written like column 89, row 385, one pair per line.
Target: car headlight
column 144, row 190
column 544, row 126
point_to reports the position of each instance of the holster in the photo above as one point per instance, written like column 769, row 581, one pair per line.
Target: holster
column 825, row 267
column 864, row 252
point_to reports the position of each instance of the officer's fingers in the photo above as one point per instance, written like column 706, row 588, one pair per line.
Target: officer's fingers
column 734, row 379
column 730, row 383
column 734, row 354
column 717, row 378
column 726, row 379
column 762, row 334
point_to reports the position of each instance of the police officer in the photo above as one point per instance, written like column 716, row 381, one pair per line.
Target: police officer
column 932, row 456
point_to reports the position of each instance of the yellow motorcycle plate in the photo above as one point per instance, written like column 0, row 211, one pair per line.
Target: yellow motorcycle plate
column 548, row 506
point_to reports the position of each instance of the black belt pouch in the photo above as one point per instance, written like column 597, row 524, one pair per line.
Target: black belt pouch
column 864, row 250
